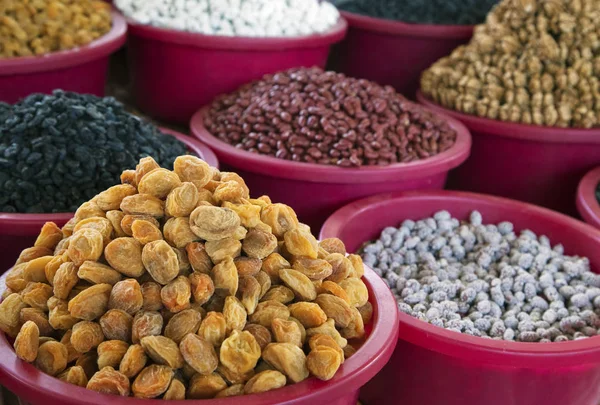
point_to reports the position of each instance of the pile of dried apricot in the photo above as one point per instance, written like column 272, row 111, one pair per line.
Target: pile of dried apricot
column 177, row 284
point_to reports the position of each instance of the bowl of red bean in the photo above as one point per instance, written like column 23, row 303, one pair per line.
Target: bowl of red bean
column 318, row 140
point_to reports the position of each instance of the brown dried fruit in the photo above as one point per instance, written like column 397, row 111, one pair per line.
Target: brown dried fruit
column 146, row 323
column 357, row 264
column 10, row 309
column 267, row 311
column 205, row 386
column 260, row 333
column 356, row 291
column 249, row 214
column 86, row 336
column 335, row 308
column 160, row 261
column 333, row 245
column 199, row 354
column 240, row 352
column 53, row 265
column 152, row 381
column 299, row 242
column 111, row 352
column 175, row 392
column 323, row 362
column 98, row 273
column 235, row 314
column 52, row 358
column 49, row 236
column 280, row 217
column 328, row 328
column 198, row 257
column 222, row 249
column 163, row 350
column 111, row 198
column 279, row 293
column 214, row 223
column 27, row 342
column 109, row 381
column 31, row 253
column 59, row 316
column 193, row 169
column 366, row 312
column 286, row 332
column 100, row 224
column 182, row 200
column 259, row 244
column 247, row 266
column 74, row 375
column 36, row 295
column 232, row 377
column 116, row 325
column 128, row 177
column 86, row 210
column 85, row 244
column 65, row 279
column 72, row 353
column 342, row 267
column 213, row 328
column 116, row 217
column 90, row 303
column 126, row 295
column 145, row 166
column 128, row 220
column 265, row 283
column 187, row 321
column 159, row 183
column 249, row 292
column 178, row 233
column 265, row 381
column 202, row 286
column 232, row 391
column 177, row 294
column 38, row 317
column 314, row 269
column 225, row 276
column 133, row 361
column 34, row 270
column 288, row 359
column 356, row 327
column 324, row 340
column 145, row 231
column 151, row 296
column 15, row 280
column 125, row 256
column 89, row 363
column 299, row 283
column 143, row 204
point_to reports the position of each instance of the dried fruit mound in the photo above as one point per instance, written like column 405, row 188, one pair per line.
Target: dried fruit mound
column 176, row 284
column 532, row 62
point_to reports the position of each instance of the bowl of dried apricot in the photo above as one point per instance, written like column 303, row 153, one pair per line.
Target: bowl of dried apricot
column 198, row 292
column 60, row 45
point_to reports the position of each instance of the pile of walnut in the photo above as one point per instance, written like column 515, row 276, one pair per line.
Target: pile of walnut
column 178, row 284
column 532, row 62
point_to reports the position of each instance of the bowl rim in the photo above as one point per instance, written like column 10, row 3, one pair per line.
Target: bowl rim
column 18, row 376
column 529, row 132
column 99, row 48
column 393, row 27
column 587, row 204
column 317, row 173
column 455, row 344
column 24, row 219
column 332, row 35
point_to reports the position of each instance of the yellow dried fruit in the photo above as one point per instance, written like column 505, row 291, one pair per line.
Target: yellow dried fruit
column 265, row 381
column 272, row 264
column 89, row 363
column 222, row 249
column 324, row 340
column 314, row 269
column 260, row 333
column 214, row 223
column 267, row 311
column 299, row 242
column 125, row 256
column 160, row 261
column 14, row 279
column 74, row 375
column 151, row 296
column 213, row 328
column 52, row 358
column 176, row 295
column 233, row 391
column 38, row 317
column 85, row 244
column 333, row 289
column 86, row 210
column 98, row 273
column 36, row 295
column 59, row 316
column 356, row 290
column 280, row 217
column 299, row 283
column 342, row 267
column 288, row 359
column 159, row 183
column 240, row 352
column 34, row 270
column 10, row 308
column 49, row 236
column 225, row 276
column 86, row 336
column 116, row 325
column 175, row 392
column 328, row 328
column 162, row 350
column 193, row 169
column 152, row 381
column 235, row 314
column 199, row 354
column 146, row 323
column 111, row 352
column 202, row 287
column 366, row 312
column 178, row 232
column 357, row 264
column 205, row 386
column 100, row 224
column 109, row 381
column 323, row 362
column 286, row 332
column 356, row 327
column 259, row 244
column 116, row 217
column 249, row 291
column 279, row 293
column 145, row 166
column 183, row 323
column 27, row 342
column 145, row 231
column 198, row 257
column 265, row 283
column 336, row 309
column 143, row 204
column 32, row 253
column 333, row 245
column 133, row 361
column 91, row 303
column 126, row 295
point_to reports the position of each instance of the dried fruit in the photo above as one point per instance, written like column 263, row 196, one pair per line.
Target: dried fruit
column 265, row 283
column 199, row 354
column 74, row 375
column 205, row 386
column 38, row 317
column 10, row 309
column 299, row 283
column 286, row 332
column 27, row 342
column 85, row 244
column 342, row 267
column 288, row 359
column 176, row 295
column 111, row 198
column 143, row 204
column 222, row 249
column 36, row 295
column 324, row 340
column 234, row 313
column 213, row 328
column 233, row 391
column 356, row 327
column 133, row 361
column 266, row 311
column 260, row 333
column 335, row 308
column 146, row 323
column 333, row 245
column 125, row 256
column 33, row 253
column 250, row 292
column 357, row 264
column 109, row 381
column 116, row 325
column 182, row 200
column 240, row 352
column 116, row 217
column 88, row 362
column 214, row 223
column 151, row 296
column 65, row 279
column 175, row 392
column 309, row 314
column 328, row 328
column 158, row 183
column 86, row 336
column 52, row 358
column 299, row 242
column 126, row 295
column 333, row 289
column 152, row 381
column 111, row 352
column 323, row 362
column 198, row 257
column 356, row 290
column 100, row 224
column 59, row 316
column 265, row 381
column 366, row 312
column 194, row 170
column 202, row 287
column 145, row 231
column 160, row 261
column 91, row 303
column 162, row 350
column 98, row 273
column 280, row 217
column 259, row 244
column 225, row 276
column 178, row 233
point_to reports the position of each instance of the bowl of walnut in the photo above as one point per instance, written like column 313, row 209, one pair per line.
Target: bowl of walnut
column 197, row 292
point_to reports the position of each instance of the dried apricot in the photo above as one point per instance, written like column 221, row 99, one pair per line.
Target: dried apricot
column 128, row 220
column 299, row 283
column 249, row 214
column 267, row 311
column 175, row 392
column 225, row 276
column 86, row 336
column 145, row 231
column 59, row 316
column 260, row 333
column 301, row 243
column 176, row 295
column 202, row 287
column 49, row 236
column 27, row 342
column 116, row 325
column 213, row 328
column 36, row 295
column 335, row 308
column 342, row 267
column 162, row 350
column 272, row 264
column 279, row 293
column 74, row 375
column 280, row 217
column 15, row 280
column 333, row 289
column 98, row 273
column 240, row 352
column 100, row 224
column 90, row 303
column 38, row 317
column 160, row 261
column 151, row 296
column 86, row 210
column 10, row 309
column 259, row 244
column 233, row 377
column 249, row 291
column 193, row 169
column 178, row 232
column 198, row 257
column 116, row 217
column 85, row 244
column 89, row 363
column 152, row 381
column 328, row 328
column 357, row 265
column 111, row 198
column 323, row 362
column 35, row 269
column 356, row 290
column 126, row 295
column 356, row 327
column 31, row 253
column 125, row 256
column 199, row 354
column 314, row 269
column 143, row 204
column 146, row 323
column 133, row 361
column 288, row 359
column 182, row 200
column 286, row 332
column 52, row 358
column 220, row 250
column 159, row 183
column 324, row 340
column 265, row 283
column 265, row 381
column 145, row 166
column 109, row 381
column 111, row 352
column 333, row 245
column 233, row 391
column 235, row 314
column 205, row 386
column 366, row 312
column 214, row 223
column 186, row 321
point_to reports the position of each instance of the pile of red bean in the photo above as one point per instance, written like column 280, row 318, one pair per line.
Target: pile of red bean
column 310, row 115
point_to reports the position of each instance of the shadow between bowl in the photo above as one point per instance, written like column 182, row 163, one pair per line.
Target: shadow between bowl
column 587, row 203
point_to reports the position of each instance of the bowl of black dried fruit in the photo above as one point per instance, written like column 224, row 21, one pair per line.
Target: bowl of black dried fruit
column 59, row 150
column 392, row 41
column 317, row 140
column 588, row 198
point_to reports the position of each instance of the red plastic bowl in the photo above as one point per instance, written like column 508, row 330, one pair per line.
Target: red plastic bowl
column 392, row 52
column 174, row 72
column 540, row 165
column 82, row 70
column 40, row 389
column 587, row 204
column 434, row 366
column 19, row 231
column 316, row 191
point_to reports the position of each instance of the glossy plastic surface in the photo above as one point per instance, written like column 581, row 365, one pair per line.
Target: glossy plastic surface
column 587, row 204
column 315, row 191
column 82, row 70
column 434, row 366
column 540, row 165
column 40, row 389
column 174, row 73
column 392, row 52
column 19, row 231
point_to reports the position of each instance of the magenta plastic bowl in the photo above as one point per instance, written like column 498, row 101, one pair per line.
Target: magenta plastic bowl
column 40, row 389
column 392, row 52
column 587, row 204
column 316, row 191
column 19, row 231
column 82, row 70
column 434, row 366
column 540, row 165
column 174, row 73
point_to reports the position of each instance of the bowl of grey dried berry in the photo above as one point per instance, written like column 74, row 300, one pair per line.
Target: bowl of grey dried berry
column 489, row 314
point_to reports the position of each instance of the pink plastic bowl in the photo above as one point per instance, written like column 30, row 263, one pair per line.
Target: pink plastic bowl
column 540, row 165
column 40, row 389
column 434, row 366
column 82, row 70
column 19, row 231
column 392, row 52
column 174, row 73
column 587, row 204
column 316, row 191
